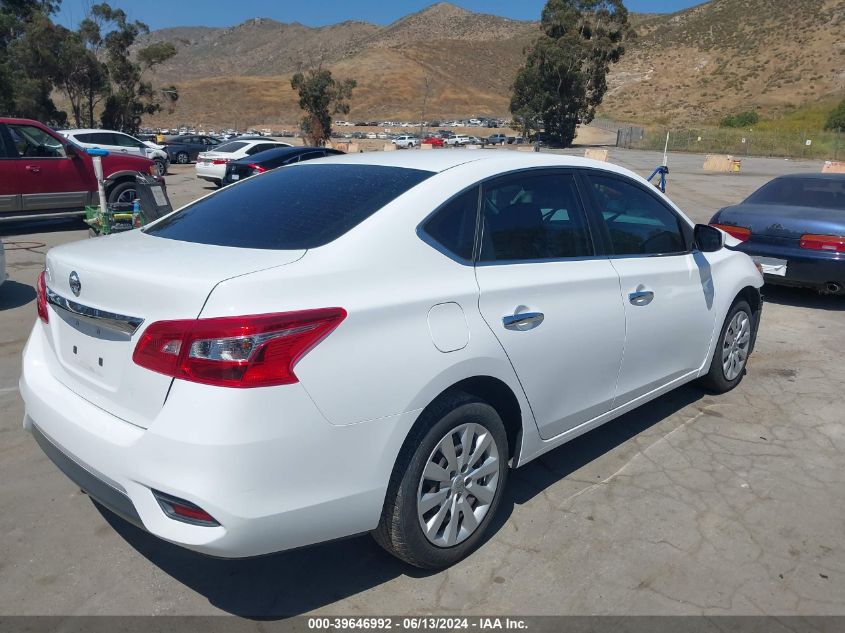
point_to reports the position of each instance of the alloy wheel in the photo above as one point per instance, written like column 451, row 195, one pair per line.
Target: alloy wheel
column 736, row 344
column 458, row 484
column 127, row 196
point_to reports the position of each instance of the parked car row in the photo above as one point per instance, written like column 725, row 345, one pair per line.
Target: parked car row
column 211, row 164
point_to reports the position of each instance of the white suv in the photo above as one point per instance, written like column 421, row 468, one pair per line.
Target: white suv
column 406, row 141
column 370, row 342
column 458, row 139
column 118, row 142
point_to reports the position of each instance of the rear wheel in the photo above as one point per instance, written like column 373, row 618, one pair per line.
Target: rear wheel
column 446, row 485
column 732, row 350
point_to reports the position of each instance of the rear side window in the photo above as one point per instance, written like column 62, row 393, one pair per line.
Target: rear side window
column 293, row 208
column 534, row 217
column 453, row 225
column 231, row 148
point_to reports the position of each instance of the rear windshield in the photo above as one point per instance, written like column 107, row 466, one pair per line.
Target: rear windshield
column 802, row 192
column 303, row 206
column 230, row 148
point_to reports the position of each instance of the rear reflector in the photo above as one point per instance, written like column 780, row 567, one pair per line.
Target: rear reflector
column 830, row 243
column 249, row 351
column 739, row 232
column 41, row 297
column 184, row 511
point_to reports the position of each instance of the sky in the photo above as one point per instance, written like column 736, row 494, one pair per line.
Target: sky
column 163, row 13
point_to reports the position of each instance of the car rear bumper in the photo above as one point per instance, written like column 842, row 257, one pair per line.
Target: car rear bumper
column 804, row 268
column 263, row 462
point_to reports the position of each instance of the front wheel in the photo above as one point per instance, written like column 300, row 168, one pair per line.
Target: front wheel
column 182, row 158
column 732, row 350
column 446, row 485
column 123, row 192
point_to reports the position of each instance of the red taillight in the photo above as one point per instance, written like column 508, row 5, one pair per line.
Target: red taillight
column 831, row 243
column 257, row 169
column 41, row 297
column 739, row 232
column 219, row 161
column 249, row 351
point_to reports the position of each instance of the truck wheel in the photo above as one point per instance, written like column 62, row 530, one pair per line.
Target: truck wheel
column 122, row 192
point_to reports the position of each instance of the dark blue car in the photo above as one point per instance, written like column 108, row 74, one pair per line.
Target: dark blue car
column 270, row 159
column 794, row 227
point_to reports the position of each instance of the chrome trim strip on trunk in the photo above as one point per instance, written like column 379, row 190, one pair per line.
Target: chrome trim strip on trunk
column 119, row 323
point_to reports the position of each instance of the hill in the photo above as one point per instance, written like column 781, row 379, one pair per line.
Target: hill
column 692, row 66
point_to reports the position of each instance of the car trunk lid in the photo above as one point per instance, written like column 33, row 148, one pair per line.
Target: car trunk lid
column 784, row 223
column 103, row 294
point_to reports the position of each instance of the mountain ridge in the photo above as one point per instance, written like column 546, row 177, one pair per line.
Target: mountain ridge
column 687, row 67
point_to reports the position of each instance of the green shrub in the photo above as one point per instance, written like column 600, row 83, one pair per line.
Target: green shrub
column 836, row 119
column 741, row 119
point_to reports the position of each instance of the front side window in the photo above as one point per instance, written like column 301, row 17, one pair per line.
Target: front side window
column 638, row 223
column 453, row 225
column 33, row 142
column 304, row 206
column 124, row 140
column 534, row 217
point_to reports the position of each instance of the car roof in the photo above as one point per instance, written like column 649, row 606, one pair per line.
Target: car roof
column 813, row 176
column 280, row 152
column 441, row 160
column 89, row 131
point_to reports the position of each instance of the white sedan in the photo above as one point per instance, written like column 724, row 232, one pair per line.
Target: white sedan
column 211, row 166
column 370, row 342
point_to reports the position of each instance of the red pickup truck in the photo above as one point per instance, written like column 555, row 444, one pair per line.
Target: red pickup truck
column 44, row 174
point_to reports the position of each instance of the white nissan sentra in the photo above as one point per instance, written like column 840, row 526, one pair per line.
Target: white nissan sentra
column 368, row 343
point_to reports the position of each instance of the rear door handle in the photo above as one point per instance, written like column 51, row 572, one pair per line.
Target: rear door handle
column 523, row 322
column 33, row 168
column 641, row 297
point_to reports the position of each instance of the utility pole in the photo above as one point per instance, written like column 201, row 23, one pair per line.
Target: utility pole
column 424, row 105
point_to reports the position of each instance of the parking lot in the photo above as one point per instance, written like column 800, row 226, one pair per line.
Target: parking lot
column 693, row 504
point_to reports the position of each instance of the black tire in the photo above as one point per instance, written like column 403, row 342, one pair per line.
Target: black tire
column 399, row 530
column 715, row 380
column 182, row 158
column 122, row 189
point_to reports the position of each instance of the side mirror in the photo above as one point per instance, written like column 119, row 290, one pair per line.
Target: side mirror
column 708, row 239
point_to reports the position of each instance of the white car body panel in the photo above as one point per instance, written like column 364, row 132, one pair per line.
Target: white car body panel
column 286, row 466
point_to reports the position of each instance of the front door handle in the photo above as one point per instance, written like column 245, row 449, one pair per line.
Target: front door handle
column 33, row 168
column 522, row 322
column 641, row 297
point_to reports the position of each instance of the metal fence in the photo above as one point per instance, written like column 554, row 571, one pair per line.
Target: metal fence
column 829, row 145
